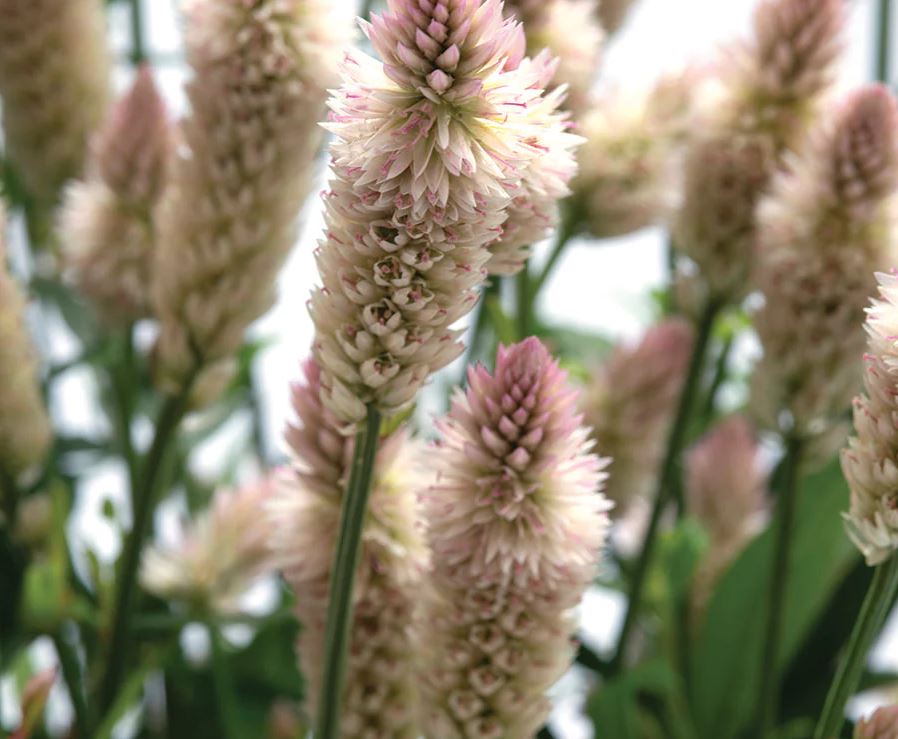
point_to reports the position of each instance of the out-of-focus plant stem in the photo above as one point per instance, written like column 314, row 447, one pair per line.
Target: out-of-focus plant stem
column 666, row 479
column 874, row 611
column 339, row 611
column 138, row 42
column 565, row 233
column 225, row 696
column 883, row 64
column 123, row 378
column 720, row 373
column 523, row 304
column 783, row 525
column 71, row 674
column 146, row 495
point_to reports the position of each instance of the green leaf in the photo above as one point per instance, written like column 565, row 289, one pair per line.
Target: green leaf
column 727, row 654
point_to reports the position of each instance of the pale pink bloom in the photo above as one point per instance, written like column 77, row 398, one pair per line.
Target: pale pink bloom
column 725, row 492
column 106, row 224
column 516, row 522
column 25, row 432
column 54, row 81
column 883, row 724
column 380, row 693
column 570, row 31
column 218, row 555
column 630, row 165
column 770, row 90
column 433, row 144
column 869, row 462
column 613, row 13
column 630, row 403
column 826, row 227
column 228, row 217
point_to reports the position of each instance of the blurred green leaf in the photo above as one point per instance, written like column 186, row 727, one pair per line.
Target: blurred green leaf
column 77, row 314
column 726, row 657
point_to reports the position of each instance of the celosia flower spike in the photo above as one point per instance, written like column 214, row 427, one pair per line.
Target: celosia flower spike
column 630, row 404
column 826, row 227
column 432, row 146
column 54, row 80
column 380, row 695
column 516, row 521
column 869, row 461
column 24, row 426
column 107, row 220
column 228, row 218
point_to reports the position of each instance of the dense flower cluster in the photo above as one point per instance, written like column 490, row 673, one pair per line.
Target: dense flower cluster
column 24, row 426
column 54, row 80
column 769, row 90
column 218, row 556
column 228, row 217
column 827, row 226
column 869, row 461
column 380, row 694
column 630, row 404
column 107, row 220
column 516, row 521
column 433, row 144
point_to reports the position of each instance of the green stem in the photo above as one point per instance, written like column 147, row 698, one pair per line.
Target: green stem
column 666, row 479
column 122, row 378
column 783, row 525
column 225, row 695
column 9, row 496
column 146, row 494
column 671, row 262
column 523, row 296
column 71, row 673
column 339, row 611
column 565, row 233
column 720, row 373
column 882, row 69
column 365, row 11
column 873, row 613
column 138, row 41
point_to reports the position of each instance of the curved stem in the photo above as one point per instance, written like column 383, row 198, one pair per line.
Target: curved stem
column 873, row 613
column 883, row 66
column 666, row 478
column 784, row 523
column 71, row 673
column 565, row 233
column 146, row 494
column 339, row 610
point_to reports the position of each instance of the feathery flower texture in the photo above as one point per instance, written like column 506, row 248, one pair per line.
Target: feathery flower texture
column 883, row 724
column 516, row 523
column 24, row 425
column 630, row 404
column 54, row 80
column 228, row 217
column 432, row 146
column 770, row 88
column 869, row 461
column 827, row 226
column 219, row 555
column 107, row 220
column 380, row 693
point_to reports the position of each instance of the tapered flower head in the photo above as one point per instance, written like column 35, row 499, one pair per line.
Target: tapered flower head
column 24, row 426
column 516, row 521
column 219, row 555
column 380, row 692
column 54, row 80
column 883, row 724
column 228, row 217
column 630, row 404
column 826, row 227
column 432, row 146
column 771, row 87
column 869, row 461
column 106, row 225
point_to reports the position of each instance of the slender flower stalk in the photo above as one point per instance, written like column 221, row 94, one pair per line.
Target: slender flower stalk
column 25, row 432
column 228, row 217
column 54, row 81
column 826, row 227
column 107, row 220
column 630, row 405
column 770, row 90
column 380, row 694
column 884, row 34
column 433, row 144
column 516, row 521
